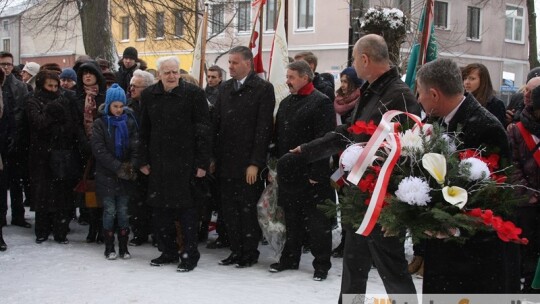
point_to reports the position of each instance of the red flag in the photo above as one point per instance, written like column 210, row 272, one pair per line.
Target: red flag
column 255, row 43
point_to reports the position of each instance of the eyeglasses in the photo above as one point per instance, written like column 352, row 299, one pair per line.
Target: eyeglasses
column 136, row 86
column 6, row 64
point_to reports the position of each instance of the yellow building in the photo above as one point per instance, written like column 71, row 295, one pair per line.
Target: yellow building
column 167, row 29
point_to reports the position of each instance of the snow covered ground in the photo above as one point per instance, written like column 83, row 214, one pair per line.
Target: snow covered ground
column 79, row 273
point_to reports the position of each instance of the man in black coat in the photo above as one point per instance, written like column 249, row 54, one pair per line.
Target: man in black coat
column 382, row 91
column 484, row 264
column 243, row 119
column 304, row 115
column 175, row 140
column 127, row 65
column 14, row 93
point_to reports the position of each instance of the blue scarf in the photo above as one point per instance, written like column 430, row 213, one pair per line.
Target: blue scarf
column 121, row 135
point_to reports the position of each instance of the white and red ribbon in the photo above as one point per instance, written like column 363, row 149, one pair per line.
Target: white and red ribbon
column 385, row 133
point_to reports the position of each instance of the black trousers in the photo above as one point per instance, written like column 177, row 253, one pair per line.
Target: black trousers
column 140, row 214
column 528, row 219
column 303, row 217
column 387, row 253
column 10, row 178
column 239, row 207
column 165, row 230
column 56, row 222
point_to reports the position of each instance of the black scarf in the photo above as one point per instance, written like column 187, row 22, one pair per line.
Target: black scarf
column 530, row 122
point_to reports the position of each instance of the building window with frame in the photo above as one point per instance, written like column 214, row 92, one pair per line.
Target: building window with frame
column 243, row 16
column 125, row 28
column 440, row 15
column 178, row 23
column 5, row 25
column 514, row 23
column 271, row 15
column 141, row 29
column 304, row 15
column 473, row 23
column 6, row 45
column 160, row 25
column 217, row 20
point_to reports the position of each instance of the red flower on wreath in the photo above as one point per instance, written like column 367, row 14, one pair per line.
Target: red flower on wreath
column 506, row 230
column 361, row 127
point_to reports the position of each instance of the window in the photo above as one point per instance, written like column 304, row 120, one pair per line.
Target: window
column 243, row 16
column 160, row 25
column 271, row 15
column 473, row 23
column 125, row 28
column 5, row 24
column 178, row 24
column 141, row 30
column 305, row 14
column 217, row 21
column 440, row 14
column 6, row 44
column 514, row 23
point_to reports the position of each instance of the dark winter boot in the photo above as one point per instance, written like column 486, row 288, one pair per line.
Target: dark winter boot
column 92, row 233
column 3, row 246
column 100, row 234
column 110, row 254
column 123, row 244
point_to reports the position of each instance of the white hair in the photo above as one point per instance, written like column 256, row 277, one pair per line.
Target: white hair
column 162, row 60
column 146, row 76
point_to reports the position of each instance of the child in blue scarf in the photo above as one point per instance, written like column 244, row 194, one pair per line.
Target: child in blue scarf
column 114, row 144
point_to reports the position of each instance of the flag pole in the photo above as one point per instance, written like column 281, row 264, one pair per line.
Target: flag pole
column 426, row 32
column 204, row 29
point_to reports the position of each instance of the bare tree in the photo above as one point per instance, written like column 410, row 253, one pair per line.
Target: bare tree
column 533, row 39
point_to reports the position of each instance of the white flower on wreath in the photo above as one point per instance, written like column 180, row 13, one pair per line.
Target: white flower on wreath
column 412, row 139
column 413, row 191
column 435, row 164
column 456, row 196
column 350, row 156
column 452, row 147
column 478, row 170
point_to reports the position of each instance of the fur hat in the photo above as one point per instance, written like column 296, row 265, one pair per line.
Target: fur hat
column 103, row 63
column 31, row 68
column 109, row 77
column 68, row 73
column 51, row 67
column 114, row 93
column 130, row 52
column 351, row 73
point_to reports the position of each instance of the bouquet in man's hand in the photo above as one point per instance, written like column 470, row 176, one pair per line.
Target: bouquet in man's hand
column 417, row 179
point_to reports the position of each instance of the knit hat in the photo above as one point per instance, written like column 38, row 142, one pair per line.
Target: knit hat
column 535, row 98
column 68, row 73
column 114, row 93
column 130, row 52
column 31, row 68
column 351, row 73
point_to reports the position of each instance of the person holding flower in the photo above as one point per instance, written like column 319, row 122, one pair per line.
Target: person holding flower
column 483, row 263
column 524, row 137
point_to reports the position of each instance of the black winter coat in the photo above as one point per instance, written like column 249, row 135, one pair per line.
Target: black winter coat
column 324, row 86
column 388, row 92
column 123, row 76
column 496, row 107
column 175, row 141
column 302, row 119
column 484, row 264
column 243, row 122
column 103, row 136
column 53, row 126
column 15, row 94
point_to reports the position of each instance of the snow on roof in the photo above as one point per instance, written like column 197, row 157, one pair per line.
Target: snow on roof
column 15, row 7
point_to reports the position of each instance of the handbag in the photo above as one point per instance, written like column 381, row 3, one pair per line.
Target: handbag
column 64, row 164
column 88, row 187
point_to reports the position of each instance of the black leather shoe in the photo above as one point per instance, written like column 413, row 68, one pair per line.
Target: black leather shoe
column 320, row 275
column 164, row 260
column 21, row 223
column 61, row 240
column 185, row 266
column 279, row 267
column 218, row 243
column 244, row 263
column 41, row 239
column 232, row 259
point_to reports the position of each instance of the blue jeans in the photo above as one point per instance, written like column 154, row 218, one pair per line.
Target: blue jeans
column 115, row 206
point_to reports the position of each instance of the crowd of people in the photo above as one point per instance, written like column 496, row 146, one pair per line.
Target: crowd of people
column 164, row 154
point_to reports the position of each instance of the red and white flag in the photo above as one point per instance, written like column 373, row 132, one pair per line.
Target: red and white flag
column 255, row 43
column 279, row 58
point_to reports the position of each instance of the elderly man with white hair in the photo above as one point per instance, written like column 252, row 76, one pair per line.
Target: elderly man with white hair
column 175, row 150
